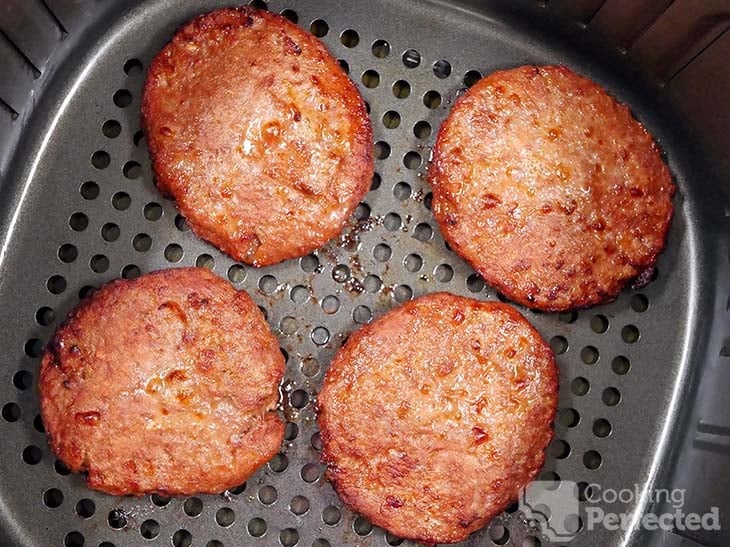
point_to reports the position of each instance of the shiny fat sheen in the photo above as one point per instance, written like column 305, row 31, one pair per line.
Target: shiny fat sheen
column 549, row 188
column 433, row 417
column 257, row 134
column 166, row 384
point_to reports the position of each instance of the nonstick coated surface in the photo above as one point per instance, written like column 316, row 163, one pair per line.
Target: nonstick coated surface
column 88, row 212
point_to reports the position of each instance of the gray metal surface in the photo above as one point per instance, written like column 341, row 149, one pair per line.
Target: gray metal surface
column 80, row 208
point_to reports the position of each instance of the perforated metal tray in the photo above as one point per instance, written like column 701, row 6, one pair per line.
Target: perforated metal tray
column 80, row 208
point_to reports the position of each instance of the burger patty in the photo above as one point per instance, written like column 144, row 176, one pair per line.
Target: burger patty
column 433, row 417
column 167, row 383
column 549, row 188
column 257, row 133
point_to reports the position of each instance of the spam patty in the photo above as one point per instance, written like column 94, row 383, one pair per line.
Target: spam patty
column 552, row 191
column 166, row 384
column 435, row 416
column 257, row 133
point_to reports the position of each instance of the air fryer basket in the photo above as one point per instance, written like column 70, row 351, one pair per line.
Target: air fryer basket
column 643, row 379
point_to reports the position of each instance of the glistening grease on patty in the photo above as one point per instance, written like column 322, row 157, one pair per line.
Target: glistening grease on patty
column 256, row 132
column 433, row 417
column 549, row 188
column 167, row 383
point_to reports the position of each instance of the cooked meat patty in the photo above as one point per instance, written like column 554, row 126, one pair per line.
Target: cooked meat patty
column 552, row 191
column 434, row 416
column 257, row 133
column 166, row 383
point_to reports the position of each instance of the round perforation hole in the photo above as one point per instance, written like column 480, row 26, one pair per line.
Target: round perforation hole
column 45, row 316
column 611, row 396
column 225, row 517
column 592, row 459
column 117, row 519
column 589, row 355
column 99, row 263
column 23, row 379
column 331, row 516
column 310, row 366
column 411, row 58
column 256, row 527
column 330, row 304
column 559, row 344
column 362, row 315
column 442, row 69
column 422, row 130
column 370, row 79
column 309, row 263
column 289, row 537
column 52, row 498
column 142, row 243
column 630, row 334
column 160, row 501
column 299, row 505
column 299, row 398
column 133, row 67
column 390, row 539
column 391, row 119
column 290, row 14
column 153, row 211
column 89, row 190
column 279, row 463
column 350, row 38
column 121, row 201
column 620, row 365
column 402, row 293
column 268, row 495
column 381, row 49
column 78, row 222
column 402, row 191
column 122, row 98
column 499, row 534
column 381, row 150
column 580, row 386
column 11, row 412
column 205, row 261
column 472, row 77
column 131, row 271
column 601, row 428
column 599, row 324
column 67, row 253
column 193, row 507
column 33, row 347
column 362, row 527
column 111, row 129
column 100, row 159
column 375, row 183
column 182, row 538
column 149, row 529
column 432, row 99
column 56, row 284
column 569, row 417
column 392, row 222
column 310, row 473
column 110, row 232
column 132, row 170
column 401, row 89
column 444, row 273
column 319, row 28
column 475, row 283
column 412, row 160
column 382, row 252
column 74, row 539
column 639, row 303
column 413, row 262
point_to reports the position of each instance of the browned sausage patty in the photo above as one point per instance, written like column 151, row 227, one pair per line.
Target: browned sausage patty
column 257, row 133
column 166, row 384
column 435, row 416
column 549, row 188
